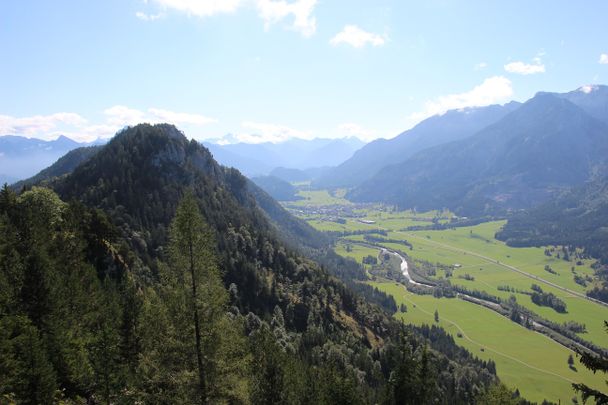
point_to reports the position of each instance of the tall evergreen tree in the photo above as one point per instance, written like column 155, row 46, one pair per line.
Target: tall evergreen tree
column 194, row 263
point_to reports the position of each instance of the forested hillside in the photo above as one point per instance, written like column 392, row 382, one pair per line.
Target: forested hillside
column 99, row 301
column 278, row 189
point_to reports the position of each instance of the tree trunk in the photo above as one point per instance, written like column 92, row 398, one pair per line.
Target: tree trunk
column 197, row 331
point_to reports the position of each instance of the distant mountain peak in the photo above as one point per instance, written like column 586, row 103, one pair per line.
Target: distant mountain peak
column 588, row 88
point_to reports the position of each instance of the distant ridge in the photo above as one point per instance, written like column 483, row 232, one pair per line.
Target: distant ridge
column 541, row 148
column 453, row 125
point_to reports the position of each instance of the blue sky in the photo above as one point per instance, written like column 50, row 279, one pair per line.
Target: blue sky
column 273, row 69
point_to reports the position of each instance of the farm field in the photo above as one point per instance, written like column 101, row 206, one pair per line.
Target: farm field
column 525, row 359
column 456, row 246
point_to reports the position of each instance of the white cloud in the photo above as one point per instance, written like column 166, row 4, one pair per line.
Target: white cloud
column 30, row 126
column 522, row 68
column 480, row 66
column 271, row 11
column 493, row 90
column 201, row 8
column 604, row 59
column 588, row 88
column 119, row 115
column 356, row 37
column 352, row 129
column 263, row 132
column 180, row 118
column 78, row 128
column 148, row 17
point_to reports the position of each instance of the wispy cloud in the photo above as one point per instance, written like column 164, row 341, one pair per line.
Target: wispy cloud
column 179, row 118
column 201, row 8
column 148, row 17
column 352, row 129
column 270, row 11
column 38, row 124
column 480, row 66
column 273, row 11
column 493, row 90
column 604, row 59
column 522, row 68
column 81, row 129
column 257, row 132
column 356, row 37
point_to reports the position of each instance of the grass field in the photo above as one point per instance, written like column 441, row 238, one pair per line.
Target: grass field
column 456, row 245
column 357, row 252
column 526, row 360
column 320, row 198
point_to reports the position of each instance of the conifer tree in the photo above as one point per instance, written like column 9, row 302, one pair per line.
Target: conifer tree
column 216, row 341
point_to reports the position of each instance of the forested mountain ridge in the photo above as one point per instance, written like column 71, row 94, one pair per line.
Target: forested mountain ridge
column 296, row 334
column 540, row 149
column 278, row 189
column 576, row 218
column 451, row 126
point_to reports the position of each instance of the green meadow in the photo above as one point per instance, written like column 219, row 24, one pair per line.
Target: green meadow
column 526, row 360
column 465, row 245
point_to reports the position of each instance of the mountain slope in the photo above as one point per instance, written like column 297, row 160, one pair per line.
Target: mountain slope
column 64, row 165
column 591, row 98
column 453, row 125
column 277, row 188
column 137, row 180
column 576, row 218
column 248, row 165
column 546, row 145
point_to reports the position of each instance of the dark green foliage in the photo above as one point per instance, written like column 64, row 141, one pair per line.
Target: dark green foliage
column 539, row 297
column 574, row 219
column 594, row 363
column 58, row 317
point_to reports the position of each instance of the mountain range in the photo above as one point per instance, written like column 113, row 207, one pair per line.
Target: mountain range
column 22, row 157
column 548, row 144
column 451, row 126
column 261, row 158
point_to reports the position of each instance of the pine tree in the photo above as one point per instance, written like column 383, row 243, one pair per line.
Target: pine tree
column 218, row 348
column 404, row 377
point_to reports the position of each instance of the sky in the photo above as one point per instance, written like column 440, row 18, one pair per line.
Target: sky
column 269, row 70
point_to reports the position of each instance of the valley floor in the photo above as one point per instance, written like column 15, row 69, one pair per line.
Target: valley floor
column 472, row 258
